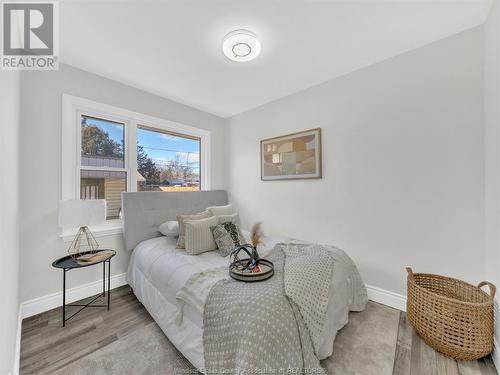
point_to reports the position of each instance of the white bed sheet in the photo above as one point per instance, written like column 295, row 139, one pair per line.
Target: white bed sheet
column 157, row 271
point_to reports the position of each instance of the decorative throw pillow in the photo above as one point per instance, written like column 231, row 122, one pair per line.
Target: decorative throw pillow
column 227, row 235
column 169, row 228
column 221, row 210
column 182, row 218
column 198, row 236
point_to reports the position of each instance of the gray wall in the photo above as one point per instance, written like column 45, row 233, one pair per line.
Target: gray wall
column 40, row 168
column 403, row 164
column 492, row 148
column 9, row 245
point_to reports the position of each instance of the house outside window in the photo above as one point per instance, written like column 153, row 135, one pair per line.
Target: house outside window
column 103, row 173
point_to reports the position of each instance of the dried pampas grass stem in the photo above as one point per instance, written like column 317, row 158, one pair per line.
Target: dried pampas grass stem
column 256, row 235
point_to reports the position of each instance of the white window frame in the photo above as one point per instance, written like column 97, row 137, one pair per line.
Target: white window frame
column 74, row 107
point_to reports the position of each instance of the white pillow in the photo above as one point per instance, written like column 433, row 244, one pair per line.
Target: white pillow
column 221, row 210
column 233, row 218
column 170, row 228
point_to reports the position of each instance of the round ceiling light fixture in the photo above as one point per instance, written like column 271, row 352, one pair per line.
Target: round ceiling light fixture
column 241, row 46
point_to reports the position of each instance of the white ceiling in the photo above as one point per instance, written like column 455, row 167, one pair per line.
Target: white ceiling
column 173, row 48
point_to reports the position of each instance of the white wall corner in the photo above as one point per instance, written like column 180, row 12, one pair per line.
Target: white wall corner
column 495, row 355
column 17, row 353
column 51, row 301
column 386, row 297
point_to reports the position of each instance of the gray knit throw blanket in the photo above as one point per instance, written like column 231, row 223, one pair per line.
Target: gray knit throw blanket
column 273, row 326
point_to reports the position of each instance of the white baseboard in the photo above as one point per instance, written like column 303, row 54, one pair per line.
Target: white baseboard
column 51, row 301
column 386, row 297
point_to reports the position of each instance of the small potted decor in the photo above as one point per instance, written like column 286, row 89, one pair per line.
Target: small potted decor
column 246, row 264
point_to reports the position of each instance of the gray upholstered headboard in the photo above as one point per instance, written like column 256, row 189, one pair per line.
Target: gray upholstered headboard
column 143, row 212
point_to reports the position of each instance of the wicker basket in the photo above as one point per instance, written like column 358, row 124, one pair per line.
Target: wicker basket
column 452, row 316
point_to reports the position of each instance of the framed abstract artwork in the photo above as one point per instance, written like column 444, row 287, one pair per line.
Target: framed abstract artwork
column 292, row 156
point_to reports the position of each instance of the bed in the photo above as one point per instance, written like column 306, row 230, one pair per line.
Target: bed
column 158, row 271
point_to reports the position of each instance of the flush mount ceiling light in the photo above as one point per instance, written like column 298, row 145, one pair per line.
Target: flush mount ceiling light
column 241, row 46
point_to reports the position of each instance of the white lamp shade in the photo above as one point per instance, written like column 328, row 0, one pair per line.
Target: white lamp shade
column 77, row 213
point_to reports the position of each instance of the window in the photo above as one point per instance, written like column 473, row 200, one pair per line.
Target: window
column 102, row 168
column 109, row 150
column 167, row 161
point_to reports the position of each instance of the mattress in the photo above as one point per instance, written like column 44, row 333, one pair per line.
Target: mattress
column 157, row 271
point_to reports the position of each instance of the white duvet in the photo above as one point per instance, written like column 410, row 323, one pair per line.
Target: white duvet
column 158, row 273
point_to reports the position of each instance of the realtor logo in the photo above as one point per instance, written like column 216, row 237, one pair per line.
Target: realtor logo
column 30, row 35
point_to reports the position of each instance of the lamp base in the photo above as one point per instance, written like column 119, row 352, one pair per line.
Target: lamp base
column 84, row 241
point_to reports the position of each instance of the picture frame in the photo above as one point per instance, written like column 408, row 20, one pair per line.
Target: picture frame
column 293, row 156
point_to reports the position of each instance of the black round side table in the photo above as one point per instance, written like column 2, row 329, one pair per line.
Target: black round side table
column 67, row 263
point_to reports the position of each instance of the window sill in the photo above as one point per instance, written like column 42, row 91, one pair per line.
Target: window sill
column 110, row 228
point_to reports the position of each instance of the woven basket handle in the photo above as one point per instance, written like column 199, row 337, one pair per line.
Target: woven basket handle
column 409, row 270
column 492, row 287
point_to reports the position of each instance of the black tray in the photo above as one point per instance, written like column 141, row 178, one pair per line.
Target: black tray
column 253, row 277
column 68, row 262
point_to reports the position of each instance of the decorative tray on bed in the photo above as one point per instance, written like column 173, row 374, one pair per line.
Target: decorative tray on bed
column 251, row 267
column 262, row 271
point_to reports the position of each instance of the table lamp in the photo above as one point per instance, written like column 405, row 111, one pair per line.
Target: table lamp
column 80, row 214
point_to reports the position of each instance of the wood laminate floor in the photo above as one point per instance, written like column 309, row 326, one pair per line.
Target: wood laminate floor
column 92, row 341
